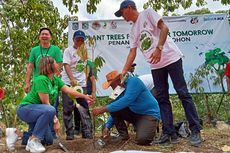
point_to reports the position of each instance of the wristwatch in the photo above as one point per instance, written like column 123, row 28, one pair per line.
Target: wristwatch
column 160, row 47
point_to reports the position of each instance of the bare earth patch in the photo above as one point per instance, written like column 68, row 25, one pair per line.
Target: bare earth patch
column 214, row 140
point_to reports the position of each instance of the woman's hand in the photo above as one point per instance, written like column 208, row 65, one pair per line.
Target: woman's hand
column 27, row 87
column 90, row 100
column 57, row 125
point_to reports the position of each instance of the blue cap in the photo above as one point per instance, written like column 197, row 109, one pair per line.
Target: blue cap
column 79, row 34
column 124, row 4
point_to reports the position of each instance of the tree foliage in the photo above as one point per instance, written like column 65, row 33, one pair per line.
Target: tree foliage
column 166, row 5
column 72, row 5
column 20, row 22
column 200, row 11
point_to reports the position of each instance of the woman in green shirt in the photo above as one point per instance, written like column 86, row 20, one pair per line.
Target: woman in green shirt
column 36, row 109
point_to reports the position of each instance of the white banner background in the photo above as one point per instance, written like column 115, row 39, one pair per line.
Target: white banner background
column 194, row 35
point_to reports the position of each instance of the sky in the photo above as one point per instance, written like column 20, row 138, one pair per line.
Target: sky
column 106, row 9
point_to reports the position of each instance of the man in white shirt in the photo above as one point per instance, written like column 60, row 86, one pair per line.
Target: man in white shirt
column 149, row 34
column 72, row 76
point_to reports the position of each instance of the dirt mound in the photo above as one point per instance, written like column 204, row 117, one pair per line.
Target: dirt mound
column 214, row 140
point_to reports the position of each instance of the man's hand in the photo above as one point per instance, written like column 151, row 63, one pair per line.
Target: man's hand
column 123, row 73
column 155, row 57
column 73, row 82
column 94, row 96
column 124, row 76
column 27, row 87
column 105, row 132
column 99, row 110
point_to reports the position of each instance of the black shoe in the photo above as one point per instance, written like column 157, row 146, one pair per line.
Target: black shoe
column 119, row 138
column 69, row 137
column 174, row 138
column 77, row 132
column 165, row 138
column 195, row 139
column 87, row 136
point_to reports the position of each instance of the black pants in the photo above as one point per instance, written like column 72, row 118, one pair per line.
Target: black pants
column 77, row 116
column 160, row 78
column 84, row 115
column 145, row 125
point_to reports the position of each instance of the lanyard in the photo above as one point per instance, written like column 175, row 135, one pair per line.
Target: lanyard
column 46, row 51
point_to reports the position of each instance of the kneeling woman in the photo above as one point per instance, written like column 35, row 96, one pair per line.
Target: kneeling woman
column 35, row 108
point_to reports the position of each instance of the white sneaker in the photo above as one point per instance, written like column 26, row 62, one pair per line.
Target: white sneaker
column 35, row 146
column 11, row 138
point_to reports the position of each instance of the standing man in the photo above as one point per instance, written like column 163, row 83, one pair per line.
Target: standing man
column 72, row 76
column 44, row 49
column 90, row 90
column 149, row 33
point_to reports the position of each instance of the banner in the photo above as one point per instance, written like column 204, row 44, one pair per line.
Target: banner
column 194, row 35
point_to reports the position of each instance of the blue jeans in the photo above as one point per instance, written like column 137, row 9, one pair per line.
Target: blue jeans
column 160, row 78
column 48, row 138
column 39, row 117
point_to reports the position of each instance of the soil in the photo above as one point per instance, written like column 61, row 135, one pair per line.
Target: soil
column 214, row 141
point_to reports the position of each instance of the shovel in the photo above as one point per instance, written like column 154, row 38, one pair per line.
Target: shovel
column 61, row 145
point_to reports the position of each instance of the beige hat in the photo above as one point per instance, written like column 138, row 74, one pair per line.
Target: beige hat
column 112, row 76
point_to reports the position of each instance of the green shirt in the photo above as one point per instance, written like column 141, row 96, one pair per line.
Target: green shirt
column 38, row 52
column 44, row 85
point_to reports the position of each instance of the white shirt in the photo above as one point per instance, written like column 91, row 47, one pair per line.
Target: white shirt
column 147, row 79
column 70, row 57
column 145, row 35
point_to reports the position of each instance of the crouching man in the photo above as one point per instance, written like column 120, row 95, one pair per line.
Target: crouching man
column 135, row 105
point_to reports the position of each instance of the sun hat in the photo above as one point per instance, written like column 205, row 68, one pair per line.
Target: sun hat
column 110, row 77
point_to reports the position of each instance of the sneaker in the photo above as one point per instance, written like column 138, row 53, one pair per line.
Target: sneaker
column 165, row 138
column 11, row 138
column 69, row 137
column 195, row 139
column 174, row 138
column 35, row 146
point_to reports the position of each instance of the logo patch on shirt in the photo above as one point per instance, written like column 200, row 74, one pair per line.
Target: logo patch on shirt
column 146, row 41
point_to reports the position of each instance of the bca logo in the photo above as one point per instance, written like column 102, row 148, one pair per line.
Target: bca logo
column 194, row 20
